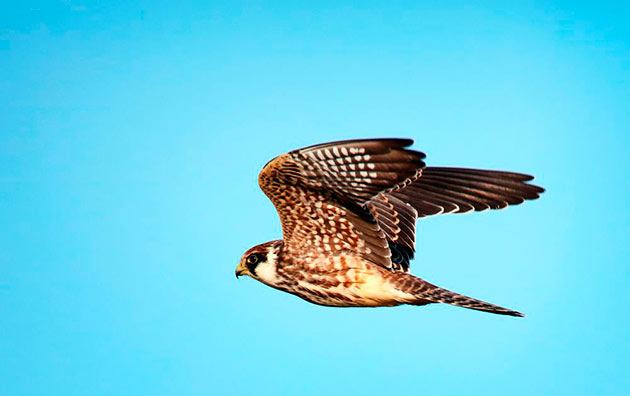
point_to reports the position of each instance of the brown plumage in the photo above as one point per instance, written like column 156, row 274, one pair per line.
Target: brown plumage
column 348, row 211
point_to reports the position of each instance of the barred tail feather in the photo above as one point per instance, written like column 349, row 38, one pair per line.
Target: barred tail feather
column 426, row 292
column 448, row 297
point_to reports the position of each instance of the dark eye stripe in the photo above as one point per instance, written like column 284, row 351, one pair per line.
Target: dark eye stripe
column 252, row 262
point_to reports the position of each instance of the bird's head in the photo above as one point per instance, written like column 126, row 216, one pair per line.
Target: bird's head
column 259, row 262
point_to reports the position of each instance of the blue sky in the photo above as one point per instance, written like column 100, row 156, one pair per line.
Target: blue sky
column 131, row 136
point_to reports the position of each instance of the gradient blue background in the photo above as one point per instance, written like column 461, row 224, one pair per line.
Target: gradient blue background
column 131, row 137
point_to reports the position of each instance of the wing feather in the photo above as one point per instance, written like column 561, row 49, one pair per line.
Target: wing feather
column 320, row 193
column 445, row 190
column 459, row 190
column 366, row 195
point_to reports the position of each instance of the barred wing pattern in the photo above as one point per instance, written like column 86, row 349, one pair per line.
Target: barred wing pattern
column 366, row 195
column 457, row 190
column 320, row 194
column 442, row 190
column 398, row 221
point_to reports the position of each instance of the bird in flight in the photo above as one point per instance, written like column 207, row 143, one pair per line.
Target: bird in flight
column 348, row 211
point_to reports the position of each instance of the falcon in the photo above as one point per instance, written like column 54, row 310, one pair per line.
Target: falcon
column 348, row 211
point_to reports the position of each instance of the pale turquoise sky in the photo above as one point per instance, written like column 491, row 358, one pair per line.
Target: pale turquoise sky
column 131, row 136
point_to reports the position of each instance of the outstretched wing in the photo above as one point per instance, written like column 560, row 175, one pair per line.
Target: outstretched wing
column 458, row 190
column 366, row 195
column 444, row 190
column 320, row 193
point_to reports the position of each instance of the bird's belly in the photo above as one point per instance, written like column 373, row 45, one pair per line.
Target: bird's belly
column 371, row 293
column 360, row 285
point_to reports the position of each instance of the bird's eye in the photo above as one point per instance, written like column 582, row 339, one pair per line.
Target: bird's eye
column 253, row 259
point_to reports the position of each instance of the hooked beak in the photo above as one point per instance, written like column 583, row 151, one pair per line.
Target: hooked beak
column 241, row 270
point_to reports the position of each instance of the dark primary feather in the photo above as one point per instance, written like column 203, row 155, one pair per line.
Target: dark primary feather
column 401, row 256
column 456, row 190
column 441, row 190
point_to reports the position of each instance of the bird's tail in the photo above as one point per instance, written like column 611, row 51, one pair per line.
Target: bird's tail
column 426, row 293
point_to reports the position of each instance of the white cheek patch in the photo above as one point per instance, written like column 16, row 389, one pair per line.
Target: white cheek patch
column 266, row 271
